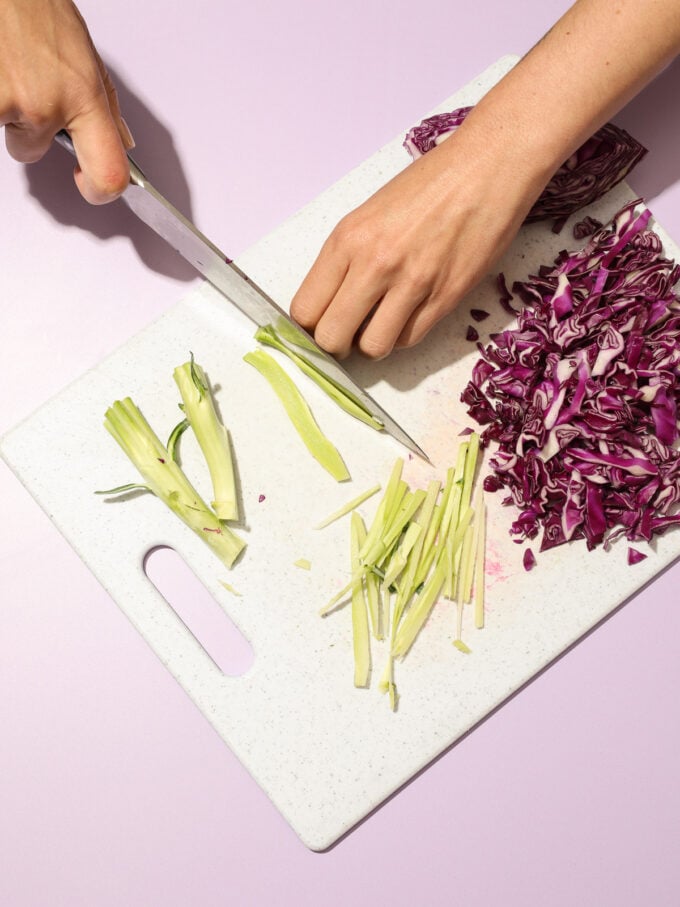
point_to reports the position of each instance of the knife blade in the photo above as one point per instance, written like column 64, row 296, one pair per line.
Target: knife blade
column 169, row 223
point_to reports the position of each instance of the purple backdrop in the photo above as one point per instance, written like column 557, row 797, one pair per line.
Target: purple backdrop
column 114, row 791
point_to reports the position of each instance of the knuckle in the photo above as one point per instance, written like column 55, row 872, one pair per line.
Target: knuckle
column 301, row 311
column 374, row 347
column 329, row 340
column 344, row 235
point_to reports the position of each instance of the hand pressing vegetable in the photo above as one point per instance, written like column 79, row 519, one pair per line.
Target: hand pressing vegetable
column 52, row 78
column 403, row 260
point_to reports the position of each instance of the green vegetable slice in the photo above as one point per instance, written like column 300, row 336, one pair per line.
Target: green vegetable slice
column 211, row 435
column 348, row 507
column 299, row 413
column 480, row 516
column 360, row 631
column 163, row 477
column 345, row 399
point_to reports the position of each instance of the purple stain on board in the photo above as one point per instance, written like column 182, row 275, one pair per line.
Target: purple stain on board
column 471, row 333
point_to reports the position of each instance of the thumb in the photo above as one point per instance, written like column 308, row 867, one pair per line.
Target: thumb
column 103, row 171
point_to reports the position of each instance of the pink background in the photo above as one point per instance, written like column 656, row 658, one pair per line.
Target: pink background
column 113, row 788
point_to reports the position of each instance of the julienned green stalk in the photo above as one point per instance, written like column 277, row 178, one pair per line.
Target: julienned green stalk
column 420, row 547
column 165, row 479
column 360, row 632
column 299, row 413
column 348, row 507
column 212, row 436
column 349, row 402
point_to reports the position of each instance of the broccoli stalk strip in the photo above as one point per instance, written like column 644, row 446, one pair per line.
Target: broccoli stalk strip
column 165, row 479
column 211, row 435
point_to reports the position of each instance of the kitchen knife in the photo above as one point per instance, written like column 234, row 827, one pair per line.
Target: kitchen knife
column 157, row 212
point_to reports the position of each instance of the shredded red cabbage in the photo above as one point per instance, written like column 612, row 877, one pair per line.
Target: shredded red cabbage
column 593, row 169
column 635, row 556
column 478, row 314
column 529, row 559
column 586, row 227
column 582, row 396
column 472, row 333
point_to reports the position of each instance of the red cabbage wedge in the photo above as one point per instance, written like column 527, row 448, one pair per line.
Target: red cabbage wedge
column 593, row 169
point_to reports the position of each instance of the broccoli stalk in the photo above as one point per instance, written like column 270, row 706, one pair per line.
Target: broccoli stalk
column 211, row 435
column 165, row 479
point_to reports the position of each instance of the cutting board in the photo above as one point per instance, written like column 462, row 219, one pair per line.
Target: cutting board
column 324, row 752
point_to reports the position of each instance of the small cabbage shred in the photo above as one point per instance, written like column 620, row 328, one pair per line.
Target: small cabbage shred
column 600, row 163
column 582, row 396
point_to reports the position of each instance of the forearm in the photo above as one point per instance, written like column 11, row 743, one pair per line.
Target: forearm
column 405, row 258
column 598, row 56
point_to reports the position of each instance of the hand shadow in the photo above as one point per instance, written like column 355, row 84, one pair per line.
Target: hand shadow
column 50, row 181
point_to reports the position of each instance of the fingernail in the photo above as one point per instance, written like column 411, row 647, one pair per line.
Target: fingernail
column 126, row 135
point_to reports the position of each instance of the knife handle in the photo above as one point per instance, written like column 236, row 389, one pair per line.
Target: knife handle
column 137, row 176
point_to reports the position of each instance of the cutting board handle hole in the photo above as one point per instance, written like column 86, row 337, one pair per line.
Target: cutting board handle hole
column 199, row 611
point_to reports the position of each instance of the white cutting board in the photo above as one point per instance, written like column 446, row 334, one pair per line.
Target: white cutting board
column 324, row 752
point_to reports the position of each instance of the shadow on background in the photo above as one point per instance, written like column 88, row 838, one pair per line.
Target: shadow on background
column 653, row 118
column 51, row 182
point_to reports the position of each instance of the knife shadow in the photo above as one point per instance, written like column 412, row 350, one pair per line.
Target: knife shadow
column 50, row 182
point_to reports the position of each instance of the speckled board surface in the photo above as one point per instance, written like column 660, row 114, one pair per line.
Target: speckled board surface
column 325, row 753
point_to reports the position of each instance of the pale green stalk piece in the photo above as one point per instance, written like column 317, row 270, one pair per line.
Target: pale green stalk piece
column 230, row 588
column 175, row 435
column 371, row 581
column 467, row 560
column 409, row 506
column 386, row 602
column 348, row 507
column 337, row 599
column 211, row 435
column 387, row 682
column 415, row 618
column 344, row 398
column 374, row 603
column 303, row 563
column 460, row 645
column 360, row 630
column 459, row 620
column 429, row 544
column 470, row 467
column 480, row 514
column 407, row 585
column 464, row 562
column 394, row 489
column 299, row 413
column 165, row 479
column 289, row 333
column 451, row 517
column 399, row 559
